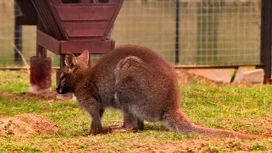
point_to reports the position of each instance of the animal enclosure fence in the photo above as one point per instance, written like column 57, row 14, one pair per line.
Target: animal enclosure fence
column 185, row 32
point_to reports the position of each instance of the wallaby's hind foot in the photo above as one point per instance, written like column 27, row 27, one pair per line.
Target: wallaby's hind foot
column 117, row 129
column 131, row 124
column 105, row 130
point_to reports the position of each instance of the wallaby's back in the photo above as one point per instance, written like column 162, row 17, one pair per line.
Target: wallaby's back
column 153, row 75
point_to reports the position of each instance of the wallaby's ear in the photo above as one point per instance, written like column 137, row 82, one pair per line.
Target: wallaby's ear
column 70, row 61
column 84, row 57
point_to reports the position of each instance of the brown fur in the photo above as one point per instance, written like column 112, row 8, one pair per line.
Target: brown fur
column 135, row 80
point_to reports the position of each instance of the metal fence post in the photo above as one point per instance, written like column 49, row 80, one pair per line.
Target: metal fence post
column 207, row 28
column 17, row 36
column 177, row 33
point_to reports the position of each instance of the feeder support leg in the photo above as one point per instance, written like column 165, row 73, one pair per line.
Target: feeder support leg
column 40, row 70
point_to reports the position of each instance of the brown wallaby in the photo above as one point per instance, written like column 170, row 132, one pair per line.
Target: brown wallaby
column 135, row 80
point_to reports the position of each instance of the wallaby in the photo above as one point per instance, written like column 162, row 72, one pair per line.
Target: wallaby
column 135, row 80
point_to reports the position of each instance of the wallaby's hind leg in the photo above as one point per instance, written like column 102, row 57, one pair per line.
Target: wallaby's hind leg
column 96, row 126
column 140, row 124
column 132, row 123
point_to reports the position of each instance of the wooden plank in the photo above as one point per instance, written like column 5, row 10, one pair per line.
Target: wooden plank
column 25, row 20
column 59, row 2
column 85, row 13
column 93, row 46
column 29, row 16
column 85, row 1
column 50, row 19
column 115, row 1
column 108, row 29
column 56, row 2
column 48, row 42
column 85, row 29
column 76, row 46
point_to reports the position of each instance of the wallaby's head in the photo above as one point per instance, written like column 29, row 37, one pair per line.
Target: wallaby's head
column 73, row 71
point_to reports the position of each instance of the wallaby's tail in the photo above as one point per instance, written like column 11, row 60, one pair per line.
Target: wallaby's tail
column 179, row 122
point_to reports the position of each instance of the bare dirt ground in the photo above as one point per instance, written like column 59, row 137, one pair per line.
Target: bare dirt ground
column 184, row 77
column 25, row 125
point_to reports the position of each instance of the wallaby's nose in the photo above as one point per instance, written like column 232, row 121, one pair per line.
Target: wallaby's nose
column 58, row 90
column 62, row 90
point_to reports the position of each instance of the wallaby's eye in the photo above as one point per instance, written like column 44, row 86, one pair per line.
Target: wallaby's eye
column 63, row 79
column 61, row 75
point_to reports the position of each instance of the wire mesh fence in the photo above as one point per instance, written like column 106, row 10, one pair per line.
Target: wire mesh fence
column 185, row 32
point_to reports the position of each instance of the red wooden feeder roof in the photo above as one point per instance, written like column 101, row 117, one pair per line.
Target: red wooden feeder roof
column 73, row 27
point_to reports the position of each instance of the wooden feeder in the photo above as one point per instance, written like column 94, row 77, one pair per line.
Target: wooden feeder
column 68, row 26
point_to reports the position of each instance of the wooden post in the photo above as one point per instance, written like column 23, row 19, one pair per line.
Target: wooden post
column 266, row 39
column 40, row 70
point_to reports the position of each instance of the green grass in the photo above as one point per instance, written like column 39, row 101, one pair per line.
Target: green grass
column 239, row 108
